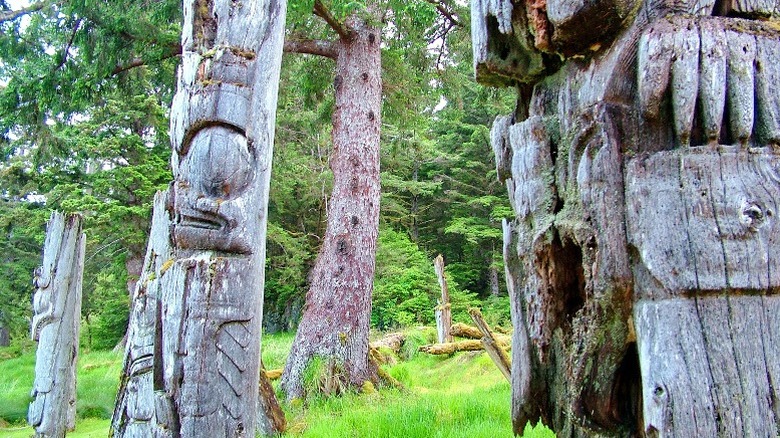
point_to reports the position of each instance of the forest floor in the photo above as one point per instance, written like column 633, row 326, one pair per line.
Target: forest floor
column 461, row 395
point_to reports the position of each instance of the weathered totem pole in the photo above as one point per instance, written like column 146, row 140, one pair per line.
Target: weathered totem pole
column 55, row 325
column 642, row 164
column 192, row 362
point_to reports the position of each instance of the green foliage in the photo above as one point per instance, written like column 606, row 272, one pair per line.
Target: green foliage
column 415, row 339
column 108, row 325
column 538, row 431
column 405, row 284
column 21, row 240
column 496, row 311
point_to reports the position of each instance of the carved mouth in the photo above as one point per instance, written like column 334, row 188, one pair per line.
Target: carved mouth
column 202, row 222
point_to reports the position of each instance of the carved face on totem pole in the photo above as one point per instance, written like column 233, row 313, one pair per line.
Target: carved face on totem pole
column 642, row 167
column 194, row 350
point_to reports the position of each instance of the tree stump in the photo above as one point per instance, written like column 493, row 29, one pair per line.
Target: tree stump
column 55, row 325
column 642, row 166
column 192, row 362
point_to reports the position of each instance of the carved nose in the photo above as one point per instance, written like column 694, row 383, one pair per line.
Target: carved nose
column 220, row 163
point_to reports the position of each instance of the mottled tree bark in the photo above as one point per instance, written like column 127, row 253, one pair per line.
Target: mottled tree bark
column 5, row 338
column 55, row 325
column 335, row 322
column 642, row 170
column 193, row 354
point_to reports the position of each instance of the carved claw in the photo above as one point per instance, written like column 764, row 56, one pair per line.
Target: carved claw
column 741, row 55
column 713, row 66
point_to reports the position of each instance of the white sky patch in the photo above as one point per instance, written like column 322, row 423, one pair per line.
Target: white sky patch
column 441, row 105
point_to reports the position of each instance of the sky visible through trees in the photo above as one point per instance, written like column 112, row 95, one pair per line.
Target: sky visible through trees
column 85, row 92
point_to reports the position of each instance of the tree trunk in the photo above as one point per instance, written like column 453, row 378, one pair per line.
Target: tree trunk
column 443, row 310
column 495, row 290
column 5, row 338
column 192, row 362
column 134, row 264
column 336, row 318
column 55, row 325
column 642, row 262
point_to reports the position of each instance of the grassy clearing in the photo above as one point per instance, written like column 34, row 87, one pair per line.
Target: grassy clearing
column 463, row 395
column 97, row 380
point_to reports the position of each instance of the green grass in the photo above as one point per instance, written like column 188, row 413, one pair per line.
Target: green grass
column 97, row 380
column 463, row 395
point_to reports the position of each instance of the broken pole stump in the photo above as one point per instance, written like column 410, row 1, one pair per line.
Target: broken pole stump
column 443, row 310
column 492, row 346
column 55, row 325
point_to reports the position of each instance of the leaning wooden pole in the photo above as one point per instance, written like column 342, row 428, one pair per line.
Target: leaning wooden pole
column 192, row 365
column 493, row 347
column 443, row 310
column 55, row 325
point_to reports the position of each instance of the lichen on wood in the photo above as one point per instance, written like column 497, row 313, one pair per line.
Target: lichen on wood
column 192, row 363
column 642, row 171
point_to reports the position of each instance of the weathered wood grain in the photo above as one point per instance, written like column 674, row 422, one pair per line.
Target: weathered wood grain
column 443, row 310
column 642, row 260
column 192, row 362
column 714, row 211
column 492, row 345
column 55, row 326
column 717, row 379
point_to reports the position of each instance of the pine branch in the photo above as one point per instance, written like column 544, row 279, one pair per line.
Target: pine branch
column 322, row 11
column 327, row 49
column 445, row 10
column 13, row 15
column 138, row 62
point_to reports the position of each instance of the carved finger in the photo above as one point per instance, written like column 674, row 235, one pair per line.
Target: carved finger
column 742, row 54
column 685, row 79
column 655, row 59
column 763, row 8
column 712, row 79
column 767, row 90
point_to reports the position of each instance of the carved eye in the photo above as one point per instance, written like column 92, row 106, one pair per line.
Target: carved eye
column 219, row 162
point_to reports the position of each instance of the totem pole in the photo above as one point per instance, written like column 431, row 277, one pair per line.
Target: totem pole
column 55, row 325
column 192, row 364
column 642, row 166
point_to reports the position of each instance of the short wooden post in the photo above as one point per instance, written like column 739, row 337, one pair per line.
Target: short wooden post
column 443, row 310
column 491, row 345
column 55, row 325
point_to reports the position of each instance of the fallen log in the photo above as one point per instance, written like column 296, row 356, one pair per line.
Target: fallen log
column 462, row 330
column 273, row 374
column 452, row 347
column 270, row 416
column 391, row 341
column 377, row 358
column 493, row 347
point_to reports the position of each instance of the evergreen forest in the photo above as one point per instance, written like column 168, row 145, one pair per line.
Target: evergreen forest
column 86, row 89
